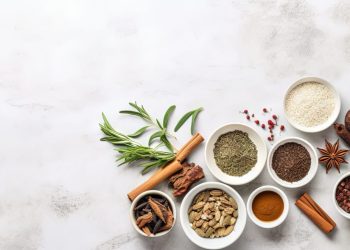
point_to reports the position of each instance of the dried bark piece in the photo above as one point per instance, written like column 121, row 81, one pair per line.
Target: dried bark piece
column 159, row 209
column 156, row 228
column 347, row 120
column 144, row 219
column 169, row 221
column 342, row 132
column 146, row 231
column 182, row 181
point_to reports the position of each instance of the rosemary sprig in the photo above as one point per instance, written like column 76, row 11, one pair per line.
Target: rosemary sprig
column 131, row 151
column 161, row 133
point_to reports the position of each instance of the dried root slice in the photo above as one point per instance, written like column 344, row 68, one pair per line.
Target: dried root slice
column 169, row 221
column 159, row 209
column 144, row 219
column 146, row 231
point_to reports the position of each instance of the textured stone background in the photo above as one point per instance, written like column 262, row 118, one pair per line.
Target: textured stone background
column 64, row 62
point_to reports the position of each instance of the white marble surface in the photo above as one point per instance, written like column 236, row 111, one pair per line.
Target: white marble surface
column 64, row 62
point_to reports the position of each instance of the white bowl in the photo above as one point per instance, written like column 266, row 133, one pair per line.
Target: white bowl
column 135, row 201
column 254, row 172
column 339, row 209
column 313, row 167
column 215, row 243
column 267, row 224
column 331, row 119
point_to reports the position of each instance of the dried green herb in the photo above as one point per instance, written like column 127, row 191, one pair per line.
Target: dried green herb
column 161, row 133
column 235, row 154
column 185, row 117
column 131, row 151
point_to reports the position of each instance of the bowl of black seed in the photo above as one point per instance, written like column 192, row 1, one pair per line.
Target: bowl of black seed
column 153, row 213
column 292, row 162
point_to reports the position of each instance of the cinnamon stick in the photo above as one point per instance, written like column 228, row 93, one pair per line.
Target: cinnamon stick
column 319, row 209
column 189, row 146
column 168, row 170
column 316, row 218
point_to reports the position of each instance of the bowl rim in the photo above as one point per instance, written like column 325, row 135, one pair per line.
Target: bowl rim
column 268, row 224
column 314, row 166
column 132, row 216
column 212, row 185
column 339, row 209
column 320, row 127
column 211, row 167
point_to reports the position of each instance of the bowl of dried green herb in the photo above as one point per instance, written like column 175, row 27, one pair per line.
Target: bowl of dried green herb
column 235, row 153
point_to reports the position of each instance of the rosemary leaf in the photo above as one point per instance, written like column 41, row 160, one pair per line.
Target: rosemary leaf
column 130, row 112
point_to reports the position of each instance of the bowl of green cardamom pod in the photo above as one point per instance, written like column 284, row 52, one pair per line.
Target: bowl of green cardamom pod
column 235, row 153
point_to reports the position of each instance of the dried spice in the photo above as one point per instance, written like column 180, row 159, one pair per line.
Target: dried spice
column 332, row 156
column 291, row 162
column 315, row 213
column 153, row 214
column 347, row 120
column 342, row 194
column 267, row 206
column 213, row 213
column 342, row 132
column 310, row 104
column 235, row 153
column 182, row 181
column 271, row 123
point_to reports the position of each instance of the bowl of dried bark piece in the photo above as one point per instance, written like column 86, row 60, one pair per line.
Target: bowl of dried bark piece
column 153, row 213
column 213, row 215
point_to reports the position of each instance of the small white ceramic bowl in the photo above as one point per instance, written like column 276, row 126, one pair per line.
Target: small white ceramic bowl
column 215, row 243
column 254, row 172
column 135, row 201
column 331, row 119
column 268, row 224
column 313, row 168
column 339, row 209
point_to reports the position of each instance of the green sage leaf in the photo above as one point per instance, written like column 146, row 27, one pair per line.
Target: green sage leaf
column 167, row 143
column 183, row 120
column 167, row 115
column 159, row 125
column 154, row 136
column 194, row 118
column 139, row 132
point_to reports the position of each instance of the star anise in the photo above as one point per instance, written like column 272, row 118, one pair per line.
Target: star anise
column 332, row 156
